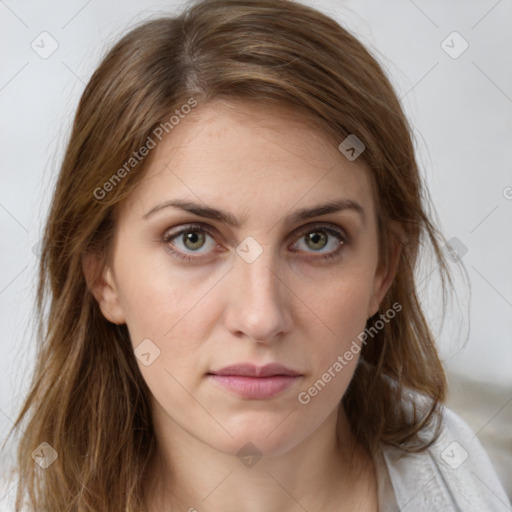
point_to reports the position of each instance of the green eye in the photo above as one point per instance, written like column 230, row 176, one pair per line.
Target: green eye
column 194, row 237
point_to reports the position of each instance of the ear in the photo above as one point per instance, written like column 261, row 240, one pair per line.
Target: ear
column 386, row 272
column 100, row 281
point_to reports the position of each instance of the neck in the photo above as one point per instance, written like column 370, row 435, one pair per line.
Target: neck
column 327, row 471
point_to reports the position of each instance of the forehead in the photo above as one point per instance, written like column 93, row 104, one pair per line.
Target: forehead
column 249, row 157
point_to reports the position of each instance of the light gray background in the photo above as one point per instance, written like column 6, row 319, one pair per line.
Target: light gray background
column 461, row 111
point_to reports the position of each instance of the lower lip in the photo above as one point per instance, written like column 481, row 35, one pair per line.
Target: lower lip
column 255, row 387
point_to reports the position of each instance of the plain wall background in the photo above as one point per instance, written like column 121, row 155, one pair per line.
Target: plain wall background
column 460, row 109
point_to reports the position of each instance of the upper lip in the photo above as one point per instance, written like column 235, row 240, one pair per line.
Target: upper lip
column 251, row 370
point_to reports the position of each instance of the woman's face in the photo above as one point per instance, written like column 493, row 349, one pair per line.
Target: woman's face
column 269, row 285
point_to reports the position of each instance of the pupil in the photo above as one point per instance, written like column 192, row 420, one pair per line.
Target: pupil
column 194, row 238
column 316, row 237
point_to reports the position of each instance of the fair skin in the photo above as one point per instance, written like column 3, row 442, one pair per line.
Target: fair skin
column 288, row 306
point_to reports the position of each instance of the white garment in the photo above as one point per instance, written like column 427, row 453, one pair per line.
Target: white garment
column 453, row 475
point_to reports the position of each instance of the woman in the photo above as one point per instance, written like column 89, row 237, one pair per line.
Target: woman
column 229, row 258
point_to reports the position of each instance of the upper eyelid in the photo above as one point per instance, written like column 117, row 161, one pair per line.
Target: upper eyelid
column 302, row 229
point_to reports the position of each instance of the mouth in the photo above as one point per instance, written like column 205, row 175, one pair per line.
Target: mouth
column 253, row 382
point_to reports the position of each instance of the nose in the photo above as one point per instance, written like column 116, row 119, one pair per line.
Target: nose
column 258, row 300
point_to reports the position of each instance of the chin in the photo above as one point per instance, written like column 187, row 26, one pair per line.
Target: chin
column 268, row 438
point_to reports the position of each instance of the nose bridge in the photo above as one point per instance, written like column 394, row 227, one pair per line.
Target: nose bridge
column 261, row 280
column 258, row 305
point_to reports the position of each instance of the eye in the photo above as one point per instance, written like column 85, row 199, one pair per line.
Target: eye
column 319, row 237
column 191, row 238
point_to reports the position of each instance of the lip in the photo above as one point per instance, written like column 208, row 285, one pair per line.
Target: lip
column 251, row 370
column 253, row 382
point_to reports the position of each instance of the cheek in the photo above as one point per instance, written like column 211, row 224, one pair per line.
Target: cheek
column 171, row 317
column 158, row 299
column 342, row 307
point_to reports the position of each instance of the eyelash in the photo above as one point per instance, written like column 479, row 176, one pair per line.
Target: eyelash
column 317, row 227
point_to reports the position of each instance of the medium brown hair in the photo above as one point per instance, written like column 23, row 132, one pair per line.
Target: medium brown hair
column 87, row 398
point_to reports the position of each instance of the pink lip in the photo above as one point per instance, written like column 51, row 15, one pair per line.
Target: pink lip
column 251, row 370
column 249, row 381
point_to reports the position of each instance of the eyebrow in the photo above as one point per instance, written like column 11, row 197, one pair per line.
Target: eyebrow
column 229, row 219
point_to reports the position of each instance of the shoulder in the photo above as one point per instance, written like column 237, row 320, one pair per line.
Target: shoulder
column 455, row 473
column 465, row 466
